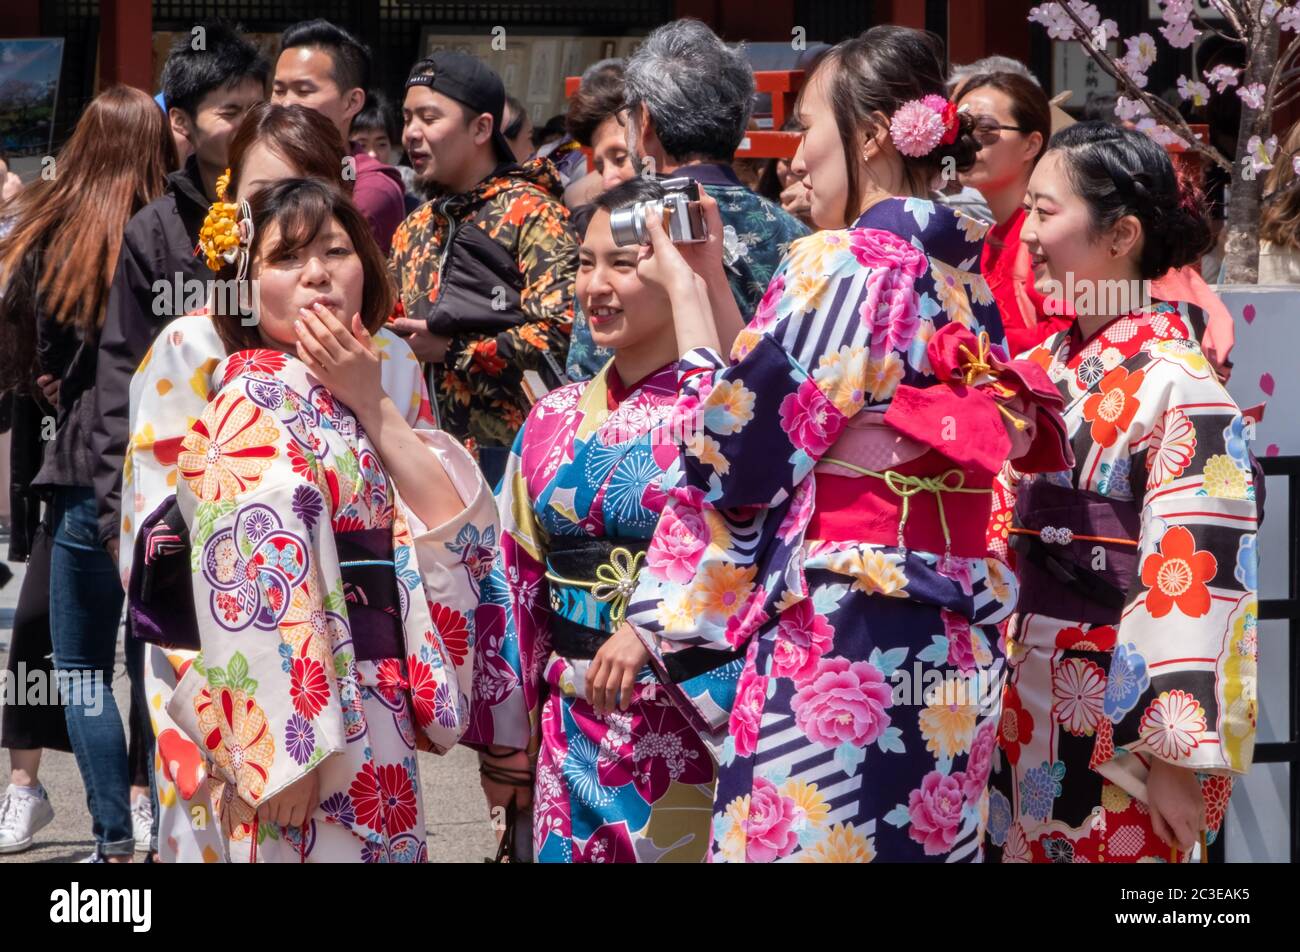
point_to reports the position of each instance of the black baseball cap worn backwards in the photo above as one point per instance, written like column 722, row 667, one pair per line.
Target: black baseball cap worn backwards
column 471, row 82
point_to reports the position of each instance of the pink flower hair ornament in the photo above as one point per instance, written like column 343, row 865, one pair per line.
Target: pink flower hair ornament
column 920, row 126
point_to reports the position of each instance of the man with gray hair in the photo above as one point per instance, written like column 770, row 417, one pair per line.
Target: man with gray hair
column 688, row 98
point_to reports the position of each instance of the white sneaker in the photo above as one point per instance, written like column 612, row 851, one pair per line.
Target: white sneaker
column 22, row 816
column 142, row 822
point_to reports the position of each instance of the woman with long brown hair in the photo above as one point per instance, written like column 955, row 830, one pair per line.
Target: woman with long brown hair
column 57, row 265
column 1279, row 221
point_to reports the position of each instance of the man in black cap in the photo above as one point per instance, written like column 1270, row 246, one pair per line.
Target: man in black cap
column 485, row 270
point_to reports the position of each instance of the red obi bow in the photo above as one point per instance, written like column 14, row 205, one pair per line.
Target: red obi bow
column 963, row 415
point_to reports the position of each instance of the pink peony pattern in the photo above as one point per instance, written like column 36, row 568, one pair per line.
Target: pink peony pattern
column 892, row 309
column 810, row 419
column 843, row 702
column 980, row 762
column 769, row 828
column 677, row 547
column 872, row 248
column 802, row 637
column 747, row 713
column 935, row 811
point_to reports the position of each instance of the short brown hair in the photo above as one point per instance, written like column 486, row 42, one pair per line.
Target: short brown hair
column 599, row 97
column 301, row 208
column 302, row 137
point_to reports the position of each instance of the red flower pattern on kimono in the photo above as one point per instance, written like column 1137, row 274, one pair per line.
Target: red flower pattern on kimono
column 1176, row 577
column 1111, row 412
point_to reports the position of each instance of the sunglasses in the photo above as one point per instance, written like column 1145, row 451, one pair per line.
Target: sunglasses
column 988, row 130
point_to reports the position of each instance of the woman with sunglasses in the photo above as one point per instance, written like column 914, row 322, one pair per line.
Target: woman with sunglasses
column 1013, row 121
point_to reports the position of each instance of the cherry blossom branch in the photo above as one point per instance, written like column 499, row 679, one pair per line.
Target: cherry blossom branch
column 1203, row 24
column 1155, row 105
column 1281, row 74
column 1231, row 14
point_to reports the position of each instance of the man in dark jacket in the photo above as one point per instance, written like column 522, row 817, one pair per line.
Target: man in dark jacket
column 158, row 274
column 485, row 271
column 325, row 68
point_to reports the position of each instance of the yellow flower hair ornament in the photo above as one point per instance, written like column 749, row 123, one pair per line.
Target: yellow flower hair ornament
column 227, row 232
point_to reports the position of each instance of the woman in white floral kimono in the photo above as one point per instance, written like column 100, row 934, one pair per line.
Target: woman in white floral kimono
column 332, row 590
column 168, row 393
column 1130, row 703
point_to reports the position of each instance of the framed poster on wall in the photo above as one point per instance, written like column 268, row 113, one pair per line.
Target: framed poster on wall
column 29, row 89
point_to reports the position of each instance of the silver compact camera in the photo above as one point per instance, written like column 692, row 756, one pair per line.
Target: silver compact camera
column 680, row 212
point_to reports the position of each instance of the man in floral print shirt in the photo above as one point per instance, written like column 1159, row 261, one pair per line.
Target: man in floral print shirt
column 485, row 270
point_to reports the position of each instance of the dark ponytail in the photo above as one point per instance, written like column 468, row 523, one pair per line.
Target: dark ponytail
column 1121, row 172
column 877, row 72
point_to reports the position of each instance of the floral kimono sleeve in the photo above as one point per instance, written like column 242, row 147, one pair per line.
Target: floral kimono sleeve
column 1181, row 685
column 826, row 342
column 513, row 623
column 169, row 390
column 452, row 560
column 800, row 371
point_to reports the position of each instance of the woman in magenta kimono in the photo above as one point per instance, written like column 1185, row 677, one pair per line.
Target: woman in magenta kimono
column 829, row 515
column 1130, row 703
column 621, row 775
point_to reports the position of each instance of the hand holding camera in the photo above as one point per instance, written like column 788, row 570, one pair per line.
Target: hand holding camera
column 679, row 210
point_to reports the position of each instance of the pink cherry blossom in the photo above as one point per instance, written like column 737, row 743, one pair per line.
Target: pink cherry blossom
column 1130, row 110
column 1253, row 95
column 1223, row 76
column 1197, row 92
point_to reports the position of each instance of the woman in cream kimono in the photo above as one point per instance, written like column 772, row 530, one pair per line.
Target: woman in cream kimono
column 1130, row 703
column 313, row 510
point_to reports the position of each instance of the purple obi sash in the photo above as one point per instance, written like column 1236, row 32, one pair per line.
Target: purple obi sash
column 160, row 597
column 1066, row 577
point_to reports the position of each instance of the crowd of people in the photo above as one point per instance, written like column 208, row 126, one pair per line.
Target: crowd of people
column 851, row 526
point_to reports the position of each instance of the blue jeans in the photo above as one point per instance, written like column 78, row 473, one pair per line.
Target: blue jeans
column 85, row 607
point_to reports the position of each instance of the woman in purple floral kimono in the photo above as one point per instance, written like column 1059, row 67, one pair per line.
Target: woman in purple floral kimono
column 829, row 514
